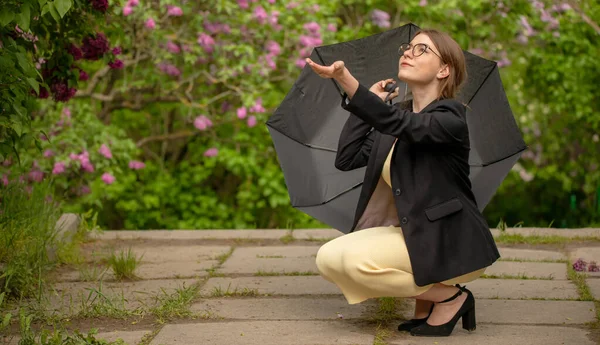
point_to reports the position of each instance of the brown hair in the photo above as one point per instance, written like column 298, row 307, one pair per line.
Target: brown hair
column 452, row 55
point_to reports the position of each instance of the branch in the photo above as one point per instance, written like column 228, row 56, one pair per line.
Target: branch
column 215, row 80
column 101, row 73
column 163, row 137
column 583, row 16
column 141, row 104
column 93, row 82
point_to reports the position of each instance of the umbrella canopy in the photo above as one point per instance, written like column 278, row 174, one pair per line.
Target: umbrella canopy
column 305, row 128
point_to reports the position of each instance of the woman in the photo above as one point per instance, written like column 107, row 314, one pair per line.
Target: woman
column 421, row 232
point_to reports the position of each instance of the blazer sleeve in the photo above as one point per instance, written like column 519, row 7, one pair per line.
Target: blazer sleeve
column 442, row 124
column 355, row 144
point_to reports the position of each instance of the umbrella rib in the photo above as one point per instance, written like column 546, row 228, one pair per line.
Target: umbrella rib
column 344, row 192
column 497, row 160
column 332, row 79
column 481, row 85
column 304, row 144
column 329, row 200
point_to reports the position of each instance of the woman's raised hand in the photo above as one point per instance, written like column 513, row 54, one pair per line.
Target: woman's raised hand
column 335, row 70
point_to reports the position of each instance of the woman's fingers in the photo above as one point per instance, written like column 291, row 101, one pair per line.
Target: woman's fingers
column 383, row 83
column 314, row 65
column 326, row 71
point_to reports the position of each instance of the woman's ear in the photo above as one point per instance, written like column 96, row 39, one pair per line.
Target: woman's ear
column 444, row 71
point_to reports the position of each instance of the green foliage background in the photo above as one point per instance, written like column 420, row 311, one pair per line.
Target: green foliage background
column 549, row 74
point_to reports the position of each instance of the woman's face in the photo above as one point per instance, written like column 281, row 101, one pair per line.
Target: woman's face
column 421, row 64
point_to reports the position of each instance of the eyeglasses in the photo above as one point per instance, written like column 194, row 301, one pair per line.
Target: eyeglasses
column 417, row 50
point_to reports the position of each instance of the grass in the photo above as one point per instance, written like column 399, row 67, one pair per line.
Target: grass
column 387, row 311
column 261, row 273
column 4, row 318
column 579, row 280
column 381, row 334
column 318, row 240
column 212, row 272
column 223, row 257
column 289, row 238
column 97, row 304
column 176, row 304
column 596, row 324
column 521, row 276
column 242, row 241
column 124, row 264
column 60, row 336
column 533, row 299
column 552, row 261
column 245, row 292
column 92, row 273
column 505, row 238
column 27, row 234
column 584, row 293
column 147, row 338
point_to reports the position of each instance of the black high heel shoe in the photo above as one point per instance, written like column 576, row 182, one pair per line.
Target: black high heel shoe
column 406, row 326
column 466, row 312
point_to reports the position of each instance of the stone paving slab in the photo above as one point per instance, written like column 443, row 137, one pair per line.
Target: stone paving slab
column 530, row 254
column 569, row 233
column 151, row 251
column 251, row 260
column 316, row 234
column 300, row 233
column 311, row 308
column 176, row 269
column 163, row 253
column 300, row 308
column 526, row 312
column 167, row 270
column 129, row 337
column 588, row 254
column 286, row 265
column 158, row 253
column 540, row 270
column 523, row 289
column 289, row 251
column 189, row 234
column 504, row 335
column 69, row 296
column 594, row 285
column 280, row 285
column 264, row 333
column 317, row 285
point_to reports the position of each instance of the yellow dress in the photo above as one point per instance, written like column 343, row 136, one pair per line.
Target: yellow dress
column 374, row 262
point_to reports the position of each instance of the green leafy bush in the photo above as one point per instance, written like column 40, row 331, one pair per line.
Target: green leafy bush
column 198, row 82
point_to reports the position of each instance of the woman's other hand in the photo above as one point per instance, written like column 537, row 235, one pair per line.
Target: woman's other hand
column 379, row 89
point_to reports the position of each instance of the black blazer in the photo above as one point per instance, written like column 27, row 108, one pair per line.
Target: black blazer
column 445, row 233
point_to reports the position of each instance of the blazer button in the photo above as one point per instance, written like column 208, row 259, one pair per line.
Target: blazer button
column 398, row 191
column 404, row 220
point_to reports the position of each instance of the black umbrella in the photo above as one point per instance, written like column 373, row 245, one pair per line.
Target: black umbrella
column 305, row 128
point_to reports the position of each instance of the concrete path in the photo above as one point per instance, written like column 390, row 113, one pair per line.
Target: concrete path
column 262, row 287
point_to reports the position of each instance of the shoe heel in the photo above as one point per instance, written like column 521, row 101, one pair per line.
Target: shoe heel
column 468, row 320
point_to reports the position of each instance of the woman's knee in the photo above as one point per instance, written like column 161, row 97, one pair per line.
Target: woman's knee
column 328, row 259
